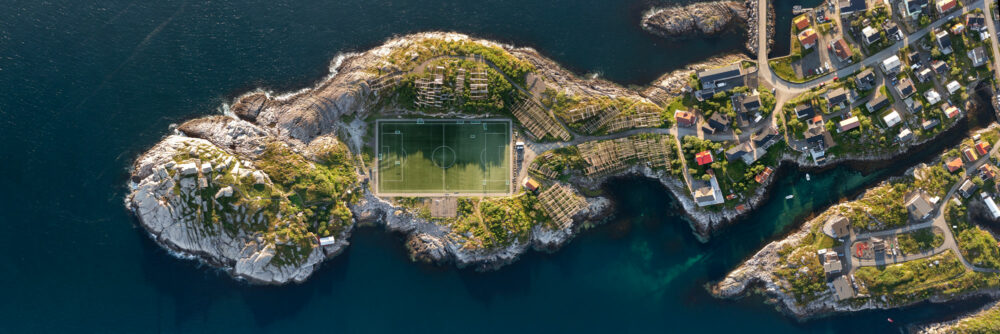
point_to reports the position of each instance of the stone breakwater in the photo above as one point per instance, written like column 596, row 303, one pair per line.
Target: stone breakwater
column 752, row 29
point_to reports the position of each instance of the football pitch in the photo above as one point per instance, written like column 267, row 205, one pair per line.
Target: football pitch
column 459, row 157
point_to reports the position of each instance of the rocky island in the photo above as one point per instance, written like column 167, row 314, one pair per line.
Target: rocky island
column 277, row 185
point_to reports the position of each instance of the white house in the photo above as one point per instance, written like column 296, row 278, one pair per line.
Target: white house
column 892, row 119
column 891, row 64
column 932, row 96
column 994, row 211
column 953, row 87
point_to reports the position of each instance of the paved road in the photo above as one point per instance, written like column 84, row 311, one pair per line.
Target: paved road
column 992, row 27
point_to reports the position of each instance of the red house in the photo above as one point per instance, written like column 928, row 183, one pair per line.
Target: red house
column 983, row 148
column 954, row 165
column 703, row 158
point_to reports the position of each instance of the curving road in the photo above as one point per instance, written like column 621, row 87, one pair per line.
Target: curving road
column 938, row 221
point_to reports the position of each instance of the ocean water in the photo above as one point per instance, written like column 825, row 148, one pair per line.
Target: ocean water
column 86, row 86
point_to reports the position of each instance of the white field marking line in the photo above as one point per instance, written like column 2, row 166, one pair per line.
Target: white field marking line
column 444, row 174
column 398, row 156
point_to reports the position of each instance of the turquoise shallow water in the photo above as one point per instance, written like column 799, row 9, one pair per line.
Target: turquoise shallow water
column 86, row 87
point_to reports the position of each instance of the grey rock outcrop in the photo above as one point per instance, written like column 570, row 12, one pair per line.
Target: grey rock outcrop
column 702, row 17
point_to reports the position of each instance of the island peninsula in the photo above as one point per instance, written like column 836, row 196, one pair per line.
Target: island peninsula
column 479, row 151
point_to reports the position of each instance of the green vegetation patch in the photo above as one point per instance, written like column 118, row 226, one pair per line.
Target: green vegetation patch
column 919, row 241
column 491, row 223
column 912, row 281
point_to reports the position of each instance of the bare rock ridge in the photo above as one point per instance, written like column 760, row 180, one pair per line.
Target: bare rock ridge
column 707, row 18
column 702, row 17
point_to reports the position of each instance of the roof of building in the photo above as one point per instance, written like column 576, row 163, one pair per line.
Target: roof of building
column 943, row 40
column 929, row 124
column 939, row 66
column 703, row 158
column 808, row 37
column 849, row 124
column 945, row 5
column 891, row 29
column 531, row 184
column 968, row 188
column 905, row 135
column 764, row 136
column 914, row 6
column 978, row 56
column 954, row 164
column 990, row 204
column 975, row 20
column 842, row 288
column 721, row 73
column 704, row 194
column 867, row 75
column 737, row 151
column 951, row 112
column 762, row 176
column 804, row 110
column 877, row 102
column 850, row 6
column 905, row 87
column 832, row 266
column 917, row 204
column 891, row 62
column 841, row 49
column 801, row 21
column 953, row 86
column 685, row 117
column 837, row 226
column 750, row 102
column 892, row 118
column 970, row 155
column 837, row 96
column 982, row 148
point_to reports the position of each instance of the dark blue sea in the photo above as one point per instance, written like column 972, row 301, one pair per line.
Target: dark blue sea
column 86, row 86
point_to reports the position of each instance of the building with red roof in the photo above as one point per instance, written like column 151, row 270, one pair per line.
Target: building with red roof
column 685, row 118
column 703, row 158
column 969, row 155
column 945, row 5
column 841, row 49
column 954, row 165
column 808, row 38
column 983, row 148
column 801, row 21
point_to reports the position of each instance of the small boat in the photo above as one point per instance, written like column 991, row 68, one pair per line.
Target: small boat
column 808, row 178
column 789, row 196
column 890, row 320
